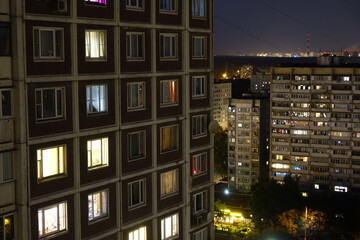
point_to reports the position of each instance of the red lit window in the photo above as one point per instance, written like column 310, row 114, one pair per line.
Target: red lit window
column 199, row 163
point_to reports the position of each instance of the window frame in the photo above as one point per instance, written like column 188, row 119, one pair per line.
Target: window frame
column 43, row 227
column 197, row 160
column 2, row 102
column 131, row 235
column 203, row 207
column 174, row 183
column 61, row 164
column 128, row 46
column 173, row 4
column 163, row 227
column 203, row 54
column 3, row 226
column 39, row 57
column 104, row 214
column 164, row 83
column 176, row 139
column 197, row 14
column 142, row 138
column 137, row 6
column 104, row 98
column 96, row 3
column 142, row 194
column 57, row 116
column 202, row 79
column 201, row 132
column 203, row 234
column 88, row 46
column 3, row 169
column 104, row 155
column 129, row 95
column 173, row 49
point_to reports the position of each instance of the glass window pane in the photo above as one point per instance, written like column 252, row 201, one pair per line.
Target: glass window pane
column 7, row 165
column 5, row 99
column 47, row 43
column 48, row 101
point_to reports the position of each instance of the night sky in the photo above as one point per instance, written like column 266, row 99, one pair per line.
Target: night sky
column 283, row 24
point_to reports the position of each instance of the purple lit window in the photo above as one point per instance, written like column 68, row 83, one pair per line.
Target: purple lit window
column 102, row 2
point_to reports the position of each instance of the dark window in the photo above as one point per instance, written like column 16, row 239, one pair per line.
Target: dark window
column 4, row 39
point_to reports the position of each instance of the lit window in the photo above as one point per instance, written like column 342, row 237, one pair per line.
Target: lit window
column 199, row 126
column 316, row 186
column 168, row 46
column 138, row 234
column 168, row 138
column 170, row 227
column 48, row 43
column 134, row 46
column 199, row 202
column 98, row 153
column 200, row 235
column 5, row 103
column 199, row 163
column 136, row 191
column 101, row 2
column 198, row 87
column 199, row 47
column 136, row 95
column 136, row 144
column 96, row 99
column 340, row 189
column 135, row 4
column 168, row 92
column 7, row 227
column 52, row 219
column 168, row 182
column 95, row 44
column 98, row 205
column 49, row 103
column 5, row 43
column 167, row 5
column 51, row 162
column 198, row 8
column 6, row 167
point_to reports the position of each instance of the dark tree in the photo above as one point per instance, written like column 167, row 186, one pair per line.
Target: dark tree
column 220, row 153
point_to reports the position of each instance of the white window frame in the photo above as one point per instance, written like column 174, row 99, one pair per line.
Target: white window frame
column 104, row 153
column 4, row 221
column 102, row 47
column 174, row 134
column 203, row 46
column 141, row 145
column 165, row 84
column 60, row 227
column 202, row 86
column 140, row 53
column 40, row 106
column 4, row 167
column 196, row 9
column 2, row 99
column 173, row 45
column 199, row 164
column 61, row 163
column 101, row 100
column 57, row 55
column 138, row 234
column 139, row 5
column 104, row 205
column 172, row 9
column 199, row 125
column 200, row 235
column 173, row 176
column 202, row 207
column 142, row 195
column 170, row 223
column 141, row 93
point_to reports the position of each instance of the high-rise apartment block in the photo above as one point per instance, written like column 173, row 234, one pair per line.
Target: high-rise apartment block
column 104, row 112
column 221, row 98
column 248, row 135
column 315, row 126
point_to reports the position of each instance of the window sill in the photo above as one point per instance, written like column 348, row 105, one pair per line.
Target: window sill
column 98, row 219
column 199, row 174
column 169, row 59
column 170, row 12
column 47, row 120
column 89, row 169
column 169, row 105
column 134, row 207
column 51, row 178
column 39, row 60
column 198, row 97
column 169, row 150
column 199, row 58
column 136, row 109
column 135, row 59
column 169, row 195
column 96, row 114
column 199, row 136
column 95, row 60
column 136, row 159
column 199, row 17
column 135, row 9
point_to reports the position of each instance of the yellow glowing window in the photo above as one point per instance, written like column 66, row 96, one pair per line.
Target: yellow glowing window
column 168, row 138
column 97, row 153
column 52, row 219
column 95, row 47
column 168, row 181
column 51, row 161
column 98, row 205
column 168, row 92
column 138, row 234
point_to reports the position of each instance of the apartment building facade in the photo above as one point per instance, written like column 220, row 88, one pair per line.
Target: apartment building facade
column 248, row 134
column 315, row 114
column 103, row 119
column 221, row 97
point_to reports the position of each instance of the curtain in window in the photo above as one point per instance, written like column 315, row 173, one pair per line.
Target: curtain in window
column 166, row 138
column 94, row 45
